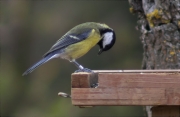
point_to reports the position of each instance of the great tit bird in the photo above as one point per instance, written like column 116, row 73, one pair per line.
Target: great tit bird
column 77, row 42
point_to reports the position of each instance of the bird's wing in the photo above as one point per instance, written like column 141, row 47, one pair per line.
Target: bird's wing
column 68, row 39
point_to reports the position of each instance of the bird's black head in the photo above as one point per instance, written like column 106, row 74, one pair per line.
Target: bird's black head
column 107, row 41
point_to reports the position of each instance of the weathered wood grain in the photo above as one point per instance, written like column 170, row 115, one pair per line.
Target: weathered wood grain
column 83, row 80
column 127, row 89
column 136, row 80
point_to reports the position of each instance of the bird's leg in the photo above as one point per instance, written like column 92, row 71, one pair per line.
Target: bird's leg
column 80, row 67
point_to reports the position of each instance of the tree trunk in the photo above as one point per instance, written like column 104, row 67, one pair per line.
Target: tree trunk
column 159, row 25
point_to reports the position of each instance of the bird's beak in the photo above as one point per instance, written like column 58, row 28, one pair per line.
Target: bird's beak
column 100, row 51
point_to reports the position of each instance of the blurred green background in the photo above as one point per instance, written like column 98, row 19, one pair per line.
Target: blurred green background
column 29, row 28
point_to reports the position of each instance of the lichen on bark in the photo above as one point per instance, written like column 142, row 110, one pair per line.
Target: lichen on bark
column 159, row 25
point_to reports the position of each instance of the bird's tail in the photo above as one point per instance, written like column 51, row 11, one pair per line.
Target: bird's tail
column 42, row 61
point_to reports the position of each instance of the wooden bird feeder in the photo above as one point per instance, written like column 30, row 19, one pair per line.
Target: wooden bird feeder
column 126, row 87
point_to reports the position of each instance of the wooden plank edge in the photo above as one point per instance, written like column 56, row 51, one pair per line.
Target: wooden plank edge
column 138, row 71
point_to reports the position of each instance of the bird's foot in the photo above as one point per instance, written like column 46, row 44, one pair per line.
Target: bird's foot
column 95, row 85
column 84, row 70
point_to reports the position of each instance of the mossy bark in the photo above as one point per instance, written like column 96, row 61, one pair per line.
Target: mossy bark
column 159, row 25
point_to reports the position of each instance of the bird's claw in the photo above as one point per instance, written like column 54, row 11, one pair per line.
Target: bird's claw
column 95, row 85
column 84, row 70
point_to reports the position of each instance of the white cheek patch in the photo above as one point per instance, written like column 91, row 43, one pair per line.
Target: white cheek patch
column 107, row 38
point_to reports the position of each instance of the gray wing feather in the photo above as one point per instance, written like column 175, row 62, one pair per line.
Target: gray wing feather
column 69, row 39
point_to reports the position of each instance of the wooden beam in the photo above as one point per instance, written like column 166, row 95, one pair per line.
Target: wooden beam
column 83, row 80
column 132, row 88
column 139, row 71
column 166, row 111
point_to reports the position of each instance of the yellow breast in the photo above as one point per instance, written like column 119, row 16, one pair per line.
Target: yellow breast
column 77, row 50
